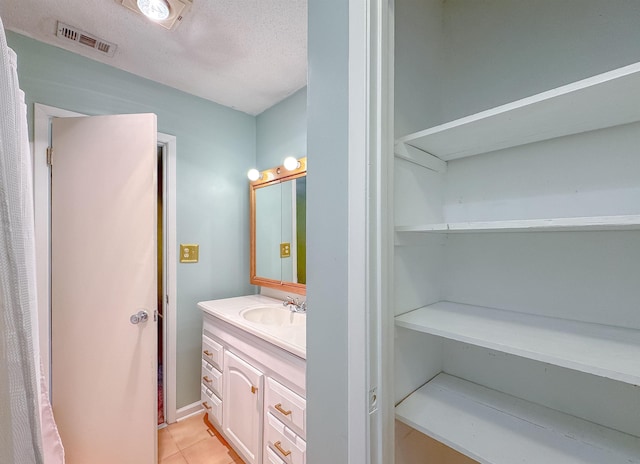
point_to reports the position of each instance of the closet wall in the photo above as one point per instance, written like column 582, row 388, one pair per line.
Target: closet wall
column 530, row 307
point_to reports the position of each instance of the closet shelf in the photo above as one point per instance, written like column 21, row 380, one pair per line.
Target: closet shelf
column 495, row 428
column 596, row 223
column 602, row 350
column 601, row 101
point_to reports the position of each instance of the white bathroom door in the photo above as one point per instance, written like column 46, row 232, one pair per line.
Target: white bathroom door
column 103, row 271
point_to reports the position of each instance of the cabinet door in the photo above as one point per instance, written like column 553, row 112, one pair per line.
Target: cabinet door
column 242, row 412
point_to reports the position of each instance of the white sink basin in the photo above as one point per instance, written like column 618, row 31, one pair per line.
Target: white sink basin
column 274, row 315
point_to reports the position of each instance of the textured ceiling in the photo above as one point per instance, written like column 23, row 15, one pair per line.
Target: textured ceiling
column 245, row 54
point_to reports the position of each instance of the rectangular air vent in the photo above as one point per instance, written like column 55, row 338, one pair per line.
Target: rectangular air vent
column 83, row 38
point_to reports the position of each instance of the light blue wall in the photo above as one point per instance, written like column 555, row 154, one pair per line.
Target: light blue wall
column 498, row 51
column 418, row 58
column 281, row 131
column 327, row 232
column 216, row 147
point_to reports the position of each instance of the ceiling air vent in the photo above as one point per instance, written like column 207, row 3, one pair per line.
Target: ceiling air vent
column 83, row 38
column 177, row 10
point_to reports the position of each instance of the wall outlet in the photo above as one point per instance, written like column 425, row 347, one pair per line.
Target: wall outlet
column 285, row 250
column 189, row 253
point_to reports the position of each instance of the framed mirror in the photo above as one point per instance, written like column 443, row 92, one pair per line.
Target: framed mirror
column 278, row 228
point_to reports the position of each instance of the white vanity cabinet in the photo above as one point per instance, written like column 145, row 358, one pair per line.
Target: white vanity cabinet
column 516, row 230
column 242, row 416
column 285, row 423
column 288, row 407
column 211, row 379
column 283, row 442
column 253, row 390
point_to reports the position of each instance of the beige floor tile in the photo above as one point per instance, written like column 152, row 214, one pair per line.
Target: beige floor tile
column 217, row 435
column 414, row 446
column 208, row 451
column 166, row 444
column 236, row 457
column 189, row 431
column 221, row 439
column 175, row 459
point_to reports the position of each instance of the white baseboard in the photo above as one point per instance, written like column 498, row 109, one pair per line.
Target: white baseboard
column 188, row 411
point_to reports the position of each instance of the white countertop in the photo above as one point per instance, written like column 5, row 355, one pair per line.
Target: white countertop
column 290, row 338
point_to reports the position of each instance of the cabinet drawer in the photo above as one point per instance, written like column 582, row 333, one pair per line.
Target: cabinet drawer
column 212, row 405
column 287, row 406
column 284, row 442
column 211, row 377
column 272, row 458
column 212, row 352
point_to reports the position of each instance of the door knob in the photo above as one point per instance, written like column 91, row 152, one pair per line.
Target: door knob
column 140, row 316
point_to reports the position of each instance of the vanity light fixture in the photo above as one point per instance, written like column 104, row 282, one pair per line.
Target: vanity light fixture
column 290, row 163
column 253, row 174
column 156, row 10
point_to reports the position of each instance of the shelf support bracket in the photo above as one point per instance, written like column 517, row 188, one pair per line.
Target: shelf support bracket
column 419, row 157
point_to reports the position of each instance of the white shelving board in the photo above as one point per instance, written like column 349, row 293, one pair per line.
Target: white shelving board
column 601, row 101
column 576, row 224
column 494, row 428
column 602, row 350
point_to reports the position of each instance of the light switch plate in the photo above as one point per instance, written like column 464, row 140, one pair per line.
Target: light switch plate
column 285, row 250
column 189, row 253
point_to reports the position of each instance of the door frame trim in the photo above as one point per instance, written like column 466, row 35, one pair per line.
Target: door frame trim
column 371, row 324
column 42, row 116
column 170, row 277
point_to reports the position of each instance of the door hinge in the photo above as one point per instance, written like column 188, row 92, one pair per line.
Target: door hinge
column 49, row 156
column 167, row 298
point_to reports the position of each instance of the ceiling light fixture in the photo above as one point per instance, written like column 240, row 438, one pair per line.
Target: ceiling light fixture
column 166, row 13
column 157, row 10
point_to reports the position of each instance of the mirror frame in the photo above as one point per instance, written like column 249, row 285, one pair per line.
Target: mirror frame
column 269, row 177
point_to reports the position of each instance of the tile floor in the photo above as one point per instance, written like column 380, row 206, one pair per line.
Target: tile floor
column 191, row 442
column 414, row 446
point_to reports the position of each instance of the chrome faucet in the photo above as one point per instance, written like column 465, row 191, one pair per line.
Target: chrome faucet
column 295, row 305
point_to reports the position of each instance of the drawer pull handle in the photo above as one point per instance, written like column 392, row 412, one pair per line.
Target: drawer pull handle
column 279, row 408
column 278, row 446
column 204, row 403
column 254, row 389
column 207, row 352
column 206, row 379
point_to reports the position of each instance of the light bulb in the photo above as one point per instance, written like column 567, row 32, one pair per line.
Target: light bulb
column 253, row 174
column 290, row 163
column 156, row 10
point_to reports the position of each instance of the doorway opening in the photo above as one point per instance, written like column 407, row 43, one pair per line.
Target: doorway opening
column 161, row 283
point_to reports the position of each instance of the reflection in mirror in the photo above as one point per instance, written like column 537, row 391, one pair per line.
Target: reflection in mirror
column 293, row 230
column 301, row 229
column 278, row 228
column 268, row 231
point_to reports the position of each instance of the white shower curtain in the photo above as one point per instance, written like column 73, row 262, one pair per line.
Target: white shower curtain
column 24, row 408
